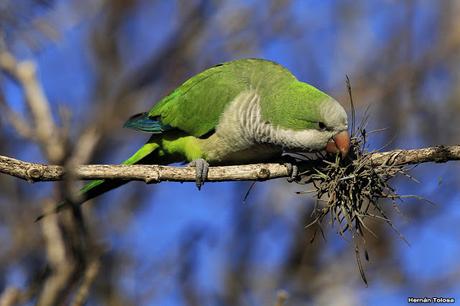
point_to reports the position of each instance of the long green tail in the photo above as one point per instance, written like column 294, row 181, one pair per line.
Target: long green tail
column 98, row 187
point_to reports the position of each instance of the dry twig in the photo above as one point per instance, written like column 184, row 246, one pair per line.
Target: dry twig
column 281, row 298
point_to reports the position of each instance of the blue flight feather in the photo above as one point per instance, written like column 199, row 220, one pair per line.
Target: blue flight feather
column 142, row 122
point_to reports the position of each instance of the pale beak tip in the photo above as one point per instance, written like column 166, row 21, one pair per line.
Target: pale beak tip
column 340, row 143
column 343, row 142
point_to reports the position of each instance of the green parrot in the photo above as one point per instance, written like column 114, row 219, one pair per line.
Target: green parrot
column 242, row 111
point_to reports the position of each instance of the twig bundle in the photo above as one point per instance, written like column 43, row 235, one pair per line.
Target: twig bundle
column 352, row 189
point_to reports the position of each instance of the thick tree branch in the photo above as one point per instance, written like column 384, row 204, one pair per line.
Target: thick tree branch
column 154, row 174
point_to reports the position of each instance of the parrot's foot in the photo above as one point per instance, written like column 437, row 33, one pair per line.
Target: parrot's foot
column 293, row 169
column 202, row 168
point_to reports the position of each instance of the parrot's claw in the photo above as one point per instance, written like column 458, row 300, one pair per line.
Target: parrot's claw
column 293, row 169
column 202, row 168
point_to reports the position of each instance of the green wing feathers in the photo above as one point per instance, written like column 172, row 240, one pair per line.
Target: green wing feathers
column 195, row 106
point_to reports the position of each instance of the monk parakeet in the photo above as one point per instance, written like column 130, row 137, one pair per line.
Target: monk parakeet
column 243, row 111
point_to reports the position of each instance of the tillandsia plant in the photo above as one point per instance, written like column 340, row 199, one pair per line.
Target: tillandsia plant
column 352, row 189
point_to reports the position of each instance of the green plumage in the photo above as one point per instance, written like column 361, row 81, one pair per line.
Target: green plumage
column 236, row 112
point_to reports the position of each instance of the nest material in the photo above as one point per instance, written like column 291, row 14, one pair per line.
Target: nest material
column 350, row 190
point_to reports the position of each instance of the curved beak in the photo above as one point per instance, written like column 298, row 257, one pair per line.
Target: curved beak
column 340, row 143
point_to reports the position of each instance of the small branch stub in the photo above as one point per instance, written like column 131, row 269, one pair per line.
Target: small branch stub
column 34, row 173
column 154, row 178
column 263, row 174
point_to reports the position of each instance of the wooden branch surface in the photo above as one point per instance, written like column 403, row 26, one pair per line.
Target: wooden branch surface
column 34, row 172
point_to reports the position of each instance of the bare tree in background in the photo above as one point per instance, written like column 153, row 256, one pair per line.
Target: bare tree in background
column 65, row 259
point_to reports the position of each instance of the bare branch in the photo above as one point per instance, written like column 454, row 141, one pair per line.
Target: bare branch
column 148, row 173
column 154, row 173
column 45, row 130
column 16, row 120
column 61, row 264
column 68, row 240
column 281, row 298
column 437, row 154
column 10, row 297
column 90, row 274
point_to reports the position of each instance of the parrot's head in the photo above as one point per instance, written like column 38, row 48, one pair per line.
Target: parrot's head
column 333, row 124
column 309, row 120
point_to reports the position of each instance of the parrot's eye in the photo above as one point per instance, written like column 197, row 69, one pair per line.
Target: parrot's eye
column 321, row 126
